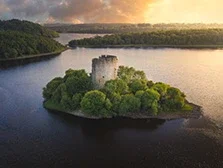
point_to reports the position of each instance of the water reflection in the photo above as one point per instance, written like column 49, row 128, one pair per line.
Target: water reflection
column 101, row 127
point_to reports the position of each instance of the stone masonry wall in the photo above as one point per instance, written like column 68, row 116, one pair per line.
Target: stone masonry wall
column 104, row 68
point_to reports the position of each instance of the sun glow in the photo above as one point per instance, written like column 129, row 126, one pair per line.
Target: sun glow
column 185, row 11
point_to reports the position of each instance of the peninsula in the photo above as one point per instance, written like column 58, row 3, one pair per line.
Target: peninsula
column 185, row 38
column 26, row 40
column 112, row 91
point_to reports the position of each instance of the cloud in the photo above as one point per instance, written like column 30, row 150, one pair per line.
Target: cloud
column 76, row 10
column 113, row 11
column 70, row 10
column 3, row 7
column 26, row 8
column 101, row 10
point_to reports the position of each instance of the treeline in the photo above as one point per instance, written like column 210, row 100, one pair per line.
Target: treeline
column 168, row 37
column 27, row 27
column 15, row 44
column 130, row 93
column 100, row 28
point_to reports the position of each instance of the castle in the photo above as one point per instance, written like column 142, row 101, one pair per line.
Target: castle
column 104, row 68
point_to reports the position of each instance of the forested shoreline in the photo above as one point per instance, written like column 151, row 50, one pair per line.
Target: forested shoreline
column 19, row 39
column 115, row 28
column 203, row 38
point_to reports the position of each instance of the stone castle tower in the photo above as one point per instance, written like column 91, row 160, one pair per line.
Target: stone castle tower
column 104, row 68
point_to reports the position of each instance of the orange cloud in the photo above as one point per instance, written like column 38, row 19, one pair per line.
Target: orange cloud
column 113, row 11
column 106, row 11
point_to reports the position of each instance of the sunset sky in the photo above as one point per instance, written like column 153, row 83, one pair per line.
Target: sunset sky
column 113, row 11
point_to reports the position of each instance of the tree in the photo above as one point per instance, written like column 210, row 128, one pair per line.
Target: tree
column 77, row 81
column 128, row 74
column 150, row 84
column 161, row 88
column 149, row 100
column 116, row 86
column 95, row 103
column 76, row 101
column 129, row 104
column 66, row 101
column 175, row 99
column 51, row 87
column 137, row 85
column 58, row 93
column 115, row 99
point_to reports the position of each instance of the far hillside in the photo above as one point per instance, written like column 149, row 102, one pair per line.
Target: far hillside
column 24, row 39
column 27, row 27
column 15, row 44
column 113, row 28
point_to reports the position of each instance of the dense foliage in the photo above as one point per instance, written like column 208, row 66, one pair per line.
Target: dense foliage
column 15, row 44
column 130, row 93
column 157, row 38
column 27, row 27
column 68, row 91
column 114, row 28
column 24, row 38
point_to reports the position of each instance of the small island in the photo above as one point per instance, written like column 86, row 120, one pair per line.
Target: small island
column 112, row 91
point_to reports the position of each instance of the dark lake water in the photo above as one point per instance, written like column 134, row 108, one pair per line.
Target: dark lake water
column 31, row 136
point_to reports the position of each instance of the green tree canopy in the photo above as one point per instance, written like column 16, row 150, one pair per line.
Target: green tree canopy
column 128, row 74
column 116, row 86
column 161, row 88
column 149, row 100
column 77, row 81
column 129, row 103
column 175, row 99
column 51, row 87
column 137, row 84
column 95, row 103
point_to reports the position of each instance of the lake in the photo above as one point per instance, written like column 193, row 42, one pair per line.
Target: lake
column 31, row 136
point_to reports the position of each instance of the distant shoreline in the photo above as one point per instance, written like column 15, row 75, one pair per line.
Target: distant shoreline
column 152, row 46
column 195, row 113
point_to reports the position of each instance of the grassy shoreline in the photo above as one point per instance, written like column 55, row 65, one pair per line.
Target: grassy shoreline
column 195, row 112
column 152, row 46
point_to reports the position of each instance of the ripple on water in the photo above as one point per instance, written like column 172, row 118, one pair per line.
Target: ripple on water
column 4, row 94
